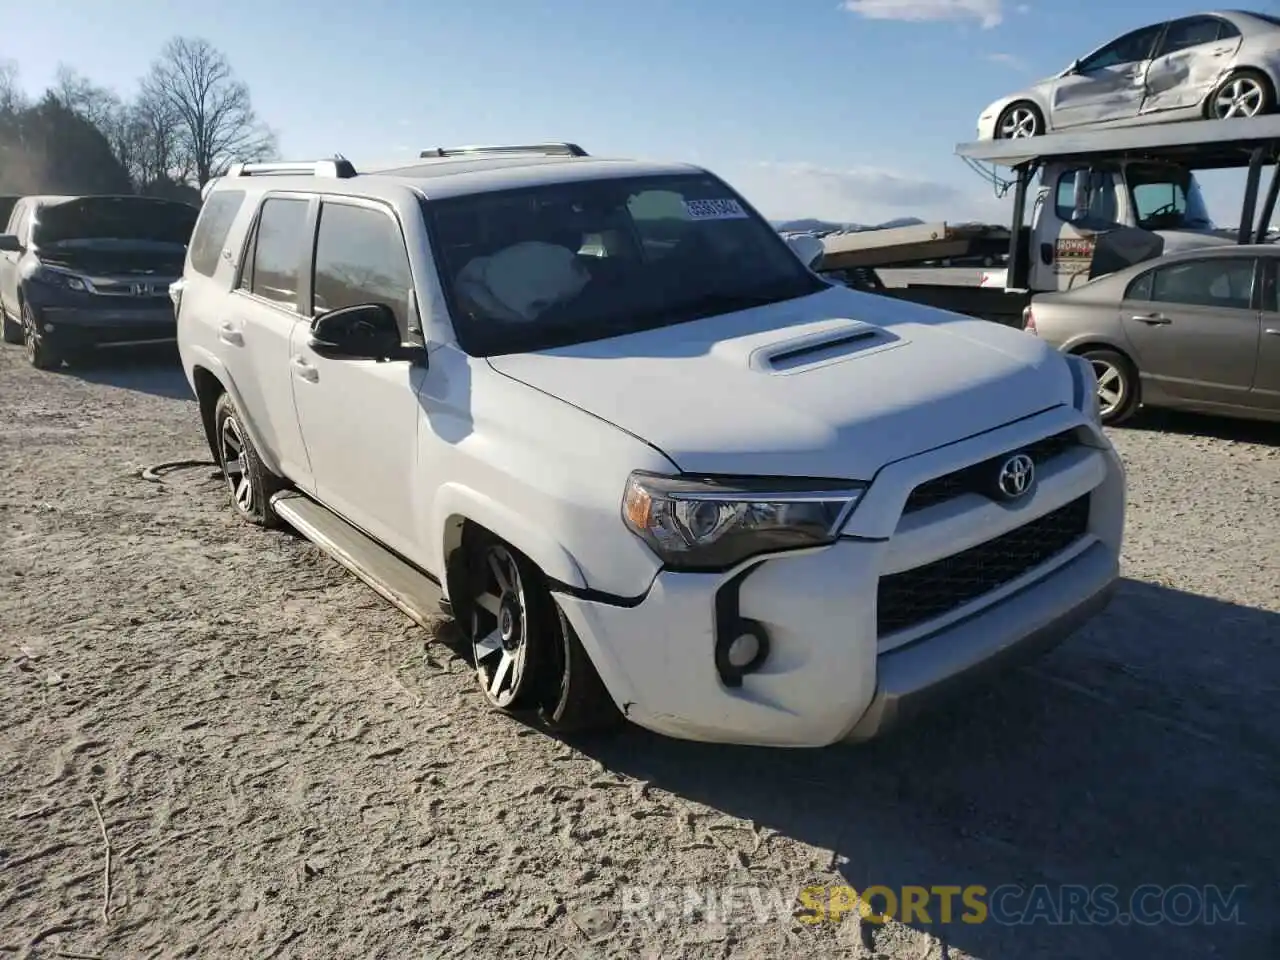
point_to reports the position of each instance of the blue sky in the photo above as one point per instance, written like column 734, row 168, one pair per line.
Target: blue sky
column 844, row 110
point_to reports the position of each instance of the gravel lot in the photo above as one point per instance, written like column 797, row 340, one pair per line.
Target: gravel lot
column 285, row 767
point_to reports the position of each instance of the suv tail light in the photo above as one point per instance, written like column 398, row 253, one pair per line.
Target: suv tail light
column 1028, row 319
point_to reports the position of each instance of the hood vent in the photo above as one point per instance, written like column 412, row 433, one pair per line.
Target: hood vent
column 824, row 346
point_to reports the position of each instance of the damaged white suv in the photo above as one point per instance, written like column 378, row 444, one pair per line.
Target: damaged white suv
column 656, row 467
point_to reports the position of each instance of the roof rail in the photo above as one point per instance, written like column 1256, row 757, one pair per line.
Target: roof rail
column 339, row 167
column 543, row 149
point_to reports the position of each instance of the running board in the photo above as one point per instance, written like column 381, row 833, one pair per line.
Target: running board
column 417, row 595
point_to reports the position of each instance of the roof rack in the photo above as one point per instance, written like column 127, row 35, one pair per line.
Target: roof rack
column 543, row 149
column 337, row 167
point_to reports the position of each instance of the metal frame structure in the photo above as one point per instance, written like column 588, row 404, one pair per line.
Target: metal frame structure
column 1249, row 142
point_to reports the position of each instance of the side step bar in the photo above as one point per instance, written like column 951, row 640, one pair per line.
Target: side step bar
column 417, row 595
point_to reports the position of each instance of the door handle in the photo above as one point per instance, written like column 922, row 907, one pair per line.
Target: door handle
column 305, row 370
column 1272, row 332
column 230, row 335
column 1152, row 319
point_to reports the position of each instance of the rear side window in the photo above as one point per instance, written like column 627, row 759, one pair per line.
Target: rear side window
column 1216, row 282
column 360, row 258
column 212, row 228
column 278, row 248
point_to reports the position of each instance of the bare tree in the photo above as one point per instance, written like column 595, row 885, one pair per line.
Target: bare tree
column 214, row 118
column 11, row 97
column 78, row 93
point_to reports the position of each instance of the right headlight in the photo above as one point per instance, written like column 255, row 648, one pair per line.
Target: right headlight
column 713, row 524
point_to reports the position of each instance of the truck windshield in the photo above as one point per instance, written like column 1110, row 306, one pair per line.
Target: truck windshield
column 1167, row 198
column 558, row 264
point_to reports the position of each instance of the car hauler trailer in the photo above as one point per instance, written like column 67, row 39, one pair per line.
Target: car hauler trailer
column 1105, row 198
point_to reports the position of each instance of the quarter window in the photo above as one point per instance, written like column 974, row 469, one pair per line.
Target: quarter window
column 212, row 228
column 360, row 258
column 1215, row 282
column 277, row 250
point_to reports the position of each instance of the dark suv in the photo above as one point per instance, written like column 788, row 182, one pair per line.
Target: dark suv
column 79, row 273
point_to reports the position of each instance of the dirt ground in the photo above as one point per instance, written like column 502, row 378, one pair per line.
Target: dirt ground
column 285, row 767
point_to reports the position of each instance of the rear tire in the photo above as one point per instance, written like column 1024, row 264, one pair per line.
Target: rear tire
column 1019, row 119
column 250, row 484
column 1117, row 384
column 1244, row 93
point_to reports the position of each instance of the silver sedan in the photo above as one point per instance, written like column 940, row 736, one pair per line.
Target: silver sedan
column 1206, row 66
column 1198, row 330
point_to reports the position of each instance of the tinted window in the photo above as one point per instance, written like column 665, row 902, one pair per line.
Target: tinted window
column 278, row 248
column 1216, row 282
column 212, row 228
column 1194, row 31
column 360, row 258
column 1166, row 197
column 1140, row 289
column 1086, row 194
column 1130, row 48
column 537, row 267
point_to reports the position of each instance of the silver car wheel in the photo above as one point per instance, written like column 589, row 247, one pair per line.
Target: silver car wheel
column 231, row 444
column 1111, row 386
column 1019, row 122
column 1242, row 97
column 500, row 628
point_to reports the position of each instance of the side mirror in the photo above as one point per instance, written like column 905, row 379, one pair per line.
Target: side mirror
column 9, row 243
column 1074, row 68
column 809, row 249
column 366, row 331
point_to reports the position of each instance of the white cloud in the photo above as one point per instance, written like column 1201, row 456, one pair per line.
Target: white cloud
column 784, row 191
column 989, row 13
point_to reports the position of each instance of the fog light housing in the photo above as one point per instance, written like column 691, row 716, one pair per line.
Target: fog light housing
column 741, row 650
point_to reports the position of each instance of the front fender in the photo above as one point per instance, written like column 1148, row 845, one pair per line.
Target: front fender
column 455, row 500
column 195, row 356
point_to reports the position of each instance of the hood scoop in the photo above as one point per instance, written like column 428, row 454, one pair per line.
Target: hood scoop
column 838, row 340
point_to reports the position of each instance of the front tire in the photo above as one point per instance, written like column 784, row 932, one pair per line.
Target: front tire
column 1117, row 385
column 39, row 354
column 527, row 656
column 1020, row 119
column 250, row 484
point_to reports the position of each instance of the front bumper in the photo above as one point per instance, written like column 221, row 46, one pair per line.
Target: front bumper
column 830, row 675
column 81, row 328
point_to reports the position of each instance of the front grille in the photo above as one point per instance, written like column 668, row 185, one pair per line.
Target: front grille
column 976, row 478
column 914, row 596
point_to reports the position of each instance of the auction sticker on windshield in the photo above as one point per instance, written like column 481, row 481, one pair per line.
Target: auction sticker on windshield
column 714, row 210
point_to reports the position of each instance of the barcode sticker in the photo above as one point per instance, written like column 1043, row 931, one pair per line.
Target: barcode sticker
column 714, row 210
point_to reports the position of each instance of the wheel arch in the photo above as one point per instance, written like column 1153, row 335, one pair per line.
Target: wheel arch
column 1264, row 72
column 210, row 379
column 1085, row 344
column 458, row 508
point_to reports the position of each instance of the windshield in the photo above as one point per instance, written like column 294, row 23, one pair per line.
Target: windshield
column 116, row 220
column 534, row 268
column 1167, row 198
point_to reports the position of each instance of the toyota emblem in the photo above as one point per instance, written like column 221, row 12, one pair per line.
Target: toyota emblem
column 1016, row 476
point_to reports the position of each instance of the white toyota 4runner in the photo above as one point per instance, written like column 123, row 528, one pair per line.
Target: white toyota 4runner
column 656, row 467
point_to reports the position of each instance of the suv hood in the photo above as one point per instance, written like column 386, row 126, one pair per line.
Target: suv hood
column 833, row 385
column 115, row 218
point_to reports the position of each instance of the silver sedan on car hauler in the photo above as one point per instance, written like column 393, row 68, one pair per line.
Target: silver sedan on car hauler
column 1198, row 330
column 1205, row 66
